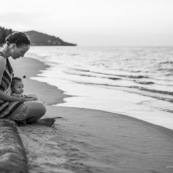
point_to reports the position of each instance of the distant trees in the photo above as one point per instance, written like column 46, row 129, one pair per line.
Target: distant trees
column 42, row 39
column 37, row 38
column 3, row 34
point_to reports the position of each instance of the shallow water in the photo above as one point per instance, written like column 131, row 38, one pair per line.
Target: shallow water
column 136, row 81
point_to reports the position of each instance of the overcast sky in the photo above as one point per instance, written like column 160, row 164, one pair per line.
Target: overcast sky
column 94, row 22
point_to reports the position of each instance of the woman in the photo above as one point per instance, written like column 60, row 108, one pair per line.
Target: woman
column 22, row 110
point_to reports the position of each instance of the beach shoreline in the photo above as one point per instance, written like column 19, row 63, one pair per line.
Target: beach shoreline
column 82, row 139
column 37, row 67
column 94, row 81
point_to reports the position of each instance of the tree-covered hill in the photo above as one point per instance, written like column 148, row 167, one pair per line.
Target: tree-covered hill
column 3, row 34
column 37, row 38
column 41, row 39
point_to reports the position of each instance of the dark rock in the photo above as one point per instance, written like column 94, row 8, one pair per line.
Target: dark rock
column 12, row 153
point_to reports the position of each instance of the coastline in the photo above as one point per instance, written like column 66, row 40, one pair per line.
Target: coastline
column 31, row 86
column 138, row 146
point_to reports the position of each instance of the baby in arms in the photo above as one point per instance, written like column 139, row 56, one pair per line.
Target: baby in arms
column 17, row 90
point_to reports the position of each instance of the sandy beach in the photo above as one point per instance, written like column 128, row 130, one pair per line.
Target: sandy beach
column 89, row 141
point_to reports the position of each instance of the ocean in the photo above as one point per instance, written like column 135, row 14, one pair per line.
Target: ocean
column 132, row 81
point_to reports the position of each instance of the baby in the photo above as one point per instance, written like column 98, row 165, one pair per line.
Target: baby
column 17, row 89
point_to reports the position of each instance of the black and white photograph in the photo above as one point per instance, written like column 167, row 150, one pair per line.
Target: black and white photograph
column 86, row 86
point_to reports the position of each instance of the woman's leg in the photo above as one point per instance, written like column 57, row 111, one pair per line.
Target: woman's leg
column 36, row 111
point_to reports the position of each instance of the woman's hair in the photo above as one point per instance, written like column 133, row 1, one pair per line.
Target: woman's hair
column 19, row 38
column 14, row 80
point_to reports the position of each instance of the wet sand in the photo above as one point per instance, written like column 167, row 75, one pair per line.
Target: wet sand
column 90, row 141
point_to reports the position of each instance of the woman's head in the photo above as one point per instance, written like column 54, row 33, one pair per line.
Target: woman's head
column 18, row 44
column 18, row 38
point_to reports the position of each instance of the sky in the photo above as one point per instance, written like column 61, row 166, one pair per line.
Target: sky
column 94, row 22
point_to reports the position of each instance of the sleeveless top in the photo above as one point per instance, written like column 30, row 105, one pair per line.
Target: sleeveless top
column 7, row 77
column 12, row 110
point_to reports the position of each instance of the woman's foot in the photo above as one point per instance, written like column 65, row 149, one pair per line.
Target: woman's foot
column 46, row 121
column 21, row 123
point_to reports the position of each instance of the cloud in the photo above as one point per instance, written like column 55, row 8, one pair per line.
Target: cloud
column 20, row 20
column 122, row 20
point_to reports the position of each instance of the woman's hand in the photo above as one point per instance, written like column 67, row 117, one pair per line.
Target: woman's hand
column 33, row 98
column 25, row 99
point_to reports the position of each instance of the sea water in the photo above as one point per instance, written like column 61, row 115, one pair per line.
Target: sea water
column 132, row 81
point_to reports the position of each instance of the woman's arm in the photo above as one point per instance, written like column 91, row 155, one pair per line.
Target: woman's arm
column 2, row 67
column 32, row 96
column 16, row 95
column 6, row 97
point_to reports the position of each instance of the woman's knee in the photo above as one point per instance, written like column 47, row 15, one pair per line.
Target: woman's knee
column 42, row 108
column 36, row 108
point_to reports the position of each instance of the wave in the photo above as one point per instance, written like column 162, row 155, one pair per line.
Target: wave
column 153, row 90
column 113, row 74
column 168, row 110
column 167, row 69
column 144, row 82
column 136, row 71
column 169, row 74
column 130, row 83
column 166, row 62
column 124, row 75
column 90, row 75
column 114, row 78
column 83, row 70
column 153, row 93
column 74, row 54
column 134, row 76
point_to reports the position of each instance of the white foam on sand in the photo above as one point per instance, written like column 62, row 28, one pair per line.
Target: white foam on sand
column 110, row 100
